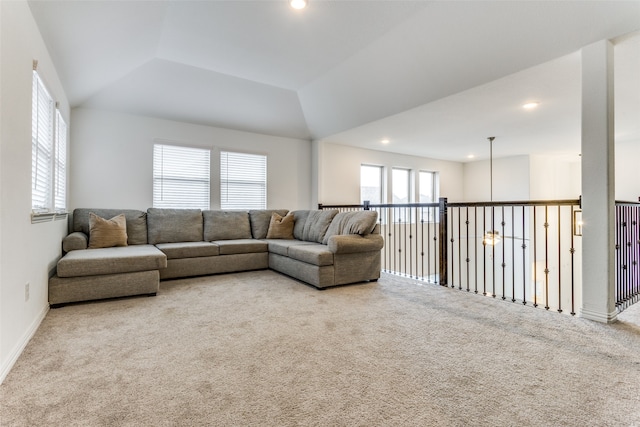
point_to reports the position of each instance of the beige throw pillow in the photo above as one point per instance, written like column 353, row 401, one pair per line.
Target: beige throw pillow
column 281, row 227
column 106, row 233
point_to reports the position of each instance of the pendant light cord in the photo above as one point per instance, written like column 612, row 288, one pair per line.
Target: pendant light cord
column 491, row 138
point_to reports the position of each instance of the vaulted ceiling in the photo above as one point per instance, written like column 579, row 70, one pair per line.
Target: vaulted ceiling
column 434, row 77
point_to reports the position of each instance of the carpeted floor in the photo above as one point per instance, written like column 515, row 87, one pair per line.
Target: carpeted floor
column 260, row 349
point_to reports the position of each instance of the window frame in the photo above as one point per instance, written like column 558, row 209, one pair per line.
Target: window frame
column 381, row 170
column 243, row 189
column 171, row 176
column 49, row 138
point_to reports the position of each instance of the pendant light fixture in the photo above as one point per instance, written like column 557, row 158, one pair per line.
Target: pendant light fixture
column 491, row 237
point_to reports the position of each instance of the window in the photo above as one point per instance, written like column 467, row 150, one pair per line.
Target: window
column 400, row 185
column 181, row 177
column 48, row 152
column 60, row 165
column 428, row 194
column 427, row 187
column 371, row 184
column 243, row 181
column 401, row 193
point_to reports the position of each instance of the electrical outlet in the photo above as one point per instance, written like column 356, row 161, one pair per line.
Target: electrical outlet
column 26, row 292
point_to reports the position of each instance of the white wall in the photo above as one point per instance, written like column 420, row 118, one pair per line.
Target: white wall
column 523, row 178
column 510, row 179
column 112, row 159
column 339, row 172
column 555, row 178
column 627, row 171
column 28, row 252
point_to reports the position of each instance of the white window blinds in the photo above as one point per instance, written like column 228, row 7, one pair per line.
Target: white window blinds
column 60, row 165
column 48, row 153
column 181, row 177
column 42, row 130
column 243, row 181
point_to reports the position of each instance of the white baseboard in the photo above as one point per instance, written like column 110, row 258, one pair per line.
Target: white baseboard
column 598, row 316
column 20, row 346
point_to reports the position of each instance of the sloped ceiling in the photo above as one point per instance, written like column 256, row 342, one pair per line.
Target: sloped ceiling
column 349, row 72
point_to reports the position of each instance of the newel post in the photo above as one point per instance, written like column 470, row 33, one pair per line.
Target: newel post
column 442, row 242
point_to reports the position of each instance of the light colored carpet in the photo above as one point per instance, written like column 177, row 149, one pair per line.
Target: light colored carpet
column 260, row 349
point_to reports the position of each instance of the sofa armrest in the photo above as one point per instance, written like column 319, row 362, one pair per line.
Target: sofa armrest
column 353, row 243
column 75, row 241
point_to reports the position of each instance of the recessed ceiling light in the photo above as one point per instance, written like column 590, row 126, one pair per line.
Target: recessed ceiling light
column 385, row 141
column 530, row 105
column 470, row 156
column 298, row 4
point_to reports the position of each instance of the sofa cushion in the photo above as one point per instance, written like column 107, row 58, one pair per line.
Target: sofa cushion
column 107, row 233
column 317, row 224
column 226, row 225
column 188, row 249
column 300, row 219
column 281, row 246
column 241, row 246
column 280, row 227
column 136, row 222
column 317, row 254
column 260, row 220
column 174, row 225
column 92, row 262
column 359, row 222
column 75, row 241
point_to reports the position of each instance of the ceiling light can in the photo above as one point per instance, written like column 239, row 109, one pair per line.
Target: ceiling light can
column 298, row 4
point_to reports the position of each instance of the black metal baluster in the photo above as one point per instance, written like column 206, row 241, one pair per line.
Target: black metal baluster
column 573, row 252
column 493, row 254
column 559, row 262
column 535, row 259
column 453, row 252
column 467, row 257
column 503, row 259
column 459, row 249
column 513, row 254
column 475, row 248
column 524, row 257
column 484, row 251
column 422, row 243
column 546, row 257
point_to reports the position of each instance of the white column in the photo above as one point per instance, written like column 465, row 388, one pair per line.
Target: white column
column 598, row 186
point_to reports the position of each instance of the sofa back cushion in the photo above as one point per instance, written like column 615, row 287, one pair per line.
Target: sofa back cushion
column 315, row 224
column 174, row 225
column 136, row 222
column 300, row 219
column 260, row 220
column 226, row 225
column 359, row 222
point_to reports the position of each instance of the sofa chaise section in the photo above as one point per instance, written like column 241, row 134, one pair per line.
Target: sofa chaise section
column 106, row 273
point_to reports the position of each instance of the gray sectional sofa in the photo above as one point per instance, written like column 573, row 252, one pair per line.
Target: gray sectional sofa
column 325, row 248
